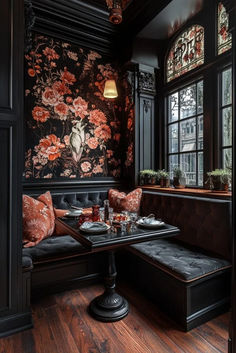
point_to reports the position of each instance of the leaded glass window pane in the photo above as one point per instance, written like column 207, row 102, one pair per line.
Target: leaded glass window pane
column 226, row 117
column 227, row 158
column 200, row 97
column 173, row 138
column 188, row 135
column 200, row 133
column 187, row 53
column 200, row 168
column 224, row 37
column 227, row 87
column 173, row 163
column 188, row 165
column 188, row 102
column 227, row 127
column 173, row 107
column 185, row 132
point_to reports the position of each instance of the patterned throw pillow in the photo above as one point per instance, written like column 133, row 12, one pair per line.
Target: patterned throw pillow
column 119, row 201
column 38, row 219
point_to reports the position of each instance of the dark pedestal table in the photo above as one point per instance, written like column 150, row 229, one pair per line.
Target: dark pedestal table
column 110, row 306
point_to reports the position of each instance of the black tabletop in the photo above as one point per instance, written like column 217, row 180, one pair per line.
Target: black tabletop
column 110, row 240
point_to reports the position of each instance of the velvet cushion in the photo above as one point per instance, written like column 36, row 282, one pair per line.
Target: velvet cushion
column 38, row 219
column 54, row 248
column 119, row 201
column 183, row 262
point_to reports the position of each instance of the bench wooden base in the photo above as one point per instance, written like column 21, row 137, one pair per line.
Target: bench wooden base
column 188, row 304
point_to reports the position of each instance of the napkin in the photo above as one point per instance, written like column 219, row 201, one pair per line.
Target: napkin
column 149, row 220
column 94, row 225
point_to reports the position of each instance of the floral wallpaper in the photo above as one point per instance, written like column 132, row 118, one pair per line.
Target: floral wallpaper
column 71, row 130
column 129, row 128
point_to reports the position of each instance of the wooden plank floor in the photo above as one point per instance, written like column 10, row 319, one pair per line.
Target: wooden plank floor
column 62, row 325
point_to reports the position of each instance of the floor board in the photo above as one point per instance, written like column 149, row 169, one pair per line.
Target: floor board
column 63, row 325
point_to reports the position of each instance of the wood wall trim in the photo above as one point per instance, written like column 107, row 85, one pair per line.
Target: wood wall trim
column 80, row 23
column 189, row 192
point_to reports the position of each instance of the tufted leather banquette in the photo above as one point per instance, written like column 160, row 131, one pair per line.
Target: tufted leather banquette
column 189, row 284
column 204, row 222
column 79, row 199
column 189, row 276
column 60, row 261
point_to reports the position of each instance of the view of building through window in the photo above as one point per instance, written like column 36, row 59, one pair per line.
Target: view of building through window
column 185, row 132
column 226, row 117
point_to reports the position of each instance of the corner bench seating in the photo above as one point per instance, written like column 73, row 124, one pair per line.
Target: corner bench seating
column 188, row 276
column 190, row 284
column 60, row 261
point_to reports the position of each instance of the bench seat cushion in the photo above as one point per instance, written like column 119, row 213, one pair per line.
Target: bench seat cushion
column 55, row 247
column 180, row 261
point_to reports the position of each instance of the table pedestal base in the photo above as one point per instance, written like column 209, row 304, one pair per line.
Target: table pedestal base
column 102, row 308
column 110, row 306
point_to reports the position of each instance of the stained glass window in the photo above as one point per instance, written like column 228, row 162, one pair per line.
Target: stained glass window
column 224, row 37
column 185, row 132
column 186, row 53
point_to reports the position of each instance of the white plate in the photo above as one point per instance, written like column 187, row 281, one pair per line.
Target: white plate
column 94, row 230
column 154, row 225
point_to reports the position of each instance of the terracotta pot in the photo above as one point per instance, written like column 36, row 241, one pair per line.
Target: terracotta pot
column 164, row 183
column 152, row 180
column 179, row 183
column 218, row 185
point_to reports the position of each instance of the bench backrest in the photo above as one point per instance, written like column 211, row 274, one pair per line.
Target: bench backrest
column 204, row 222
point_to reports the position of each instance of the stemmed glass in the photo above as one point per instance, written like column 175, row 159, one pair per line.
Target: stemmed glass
column 124, row 221
column 133, row 218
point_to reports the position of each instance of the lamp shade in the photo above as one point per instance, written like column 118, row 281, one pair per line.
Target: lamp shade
column 110, row 90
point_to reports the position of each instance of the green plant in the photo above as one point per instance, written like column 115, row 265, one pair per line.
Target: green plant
column 162, row 174
column 148, row 172
column 223, row 174
column 178, row 173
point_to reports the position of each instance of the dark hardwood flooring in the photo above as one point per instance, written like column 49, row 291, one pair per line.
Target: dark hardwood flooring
column 62, row 325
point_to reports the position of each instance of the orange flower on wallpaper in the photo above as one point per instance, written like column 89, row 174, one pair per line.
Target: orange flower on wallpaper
column 31, row 72
column 61, row 109
column 79, row 107
column 97, row 117
column 67, row 77
column 92, row 143
column 50, row 96
column 103, row 132
column 50, row 53
column 40, row 114
column 116, row 137
column 129, row 123
column 50, row 147
column 97, row 169
column 86, row 166
column 61, row 88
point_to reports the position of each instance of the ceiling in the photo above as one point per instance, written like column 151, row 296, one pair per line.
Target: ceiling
column 170, row 19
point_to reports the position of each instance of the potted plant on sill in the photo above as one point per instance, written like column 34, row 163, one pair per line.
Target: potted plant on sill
column 219, row 179
column 163, row 177
column 148, row 176
column 179, row 180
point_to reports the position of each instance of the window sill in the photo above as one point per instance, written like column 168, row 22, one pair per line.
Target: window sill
column 189, row 191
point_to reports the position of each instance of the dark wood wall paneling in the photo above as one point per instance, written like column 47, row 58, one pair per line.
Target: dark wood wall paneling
column 231, row 8
column 12, row 314
column 80, row 22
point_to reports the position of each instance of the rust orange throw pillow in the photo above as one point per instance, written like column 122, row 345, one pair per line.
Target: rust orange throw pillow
column 119, row 201
column 38, row 219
